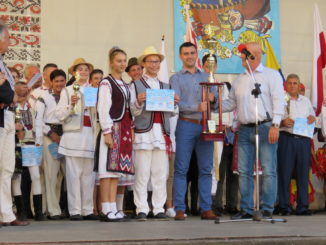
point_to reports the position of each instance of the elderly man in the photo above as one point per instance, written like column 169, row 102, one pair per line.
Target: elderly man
column 7, row 135
column 270, row 111
column 294, row 150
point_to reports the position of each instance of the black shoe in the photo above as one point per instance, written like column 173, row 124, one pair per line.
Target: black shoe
column 285, row 213
column 266, row 214
column 161, row 216
column 241, row 215
column 76, row 217
column 141, row 217
column 150, row 215
column 90, row 217
column 304, row 213
column 277, row 210
column 104, row 218
column 230, row 210
column 54, row 217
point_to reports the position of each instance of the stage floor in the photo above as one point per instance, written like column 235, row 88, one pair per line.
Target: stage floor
column 298, row 230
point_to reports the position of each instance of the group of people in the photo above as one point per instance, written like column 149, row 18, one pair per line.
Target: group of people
column 93, row 155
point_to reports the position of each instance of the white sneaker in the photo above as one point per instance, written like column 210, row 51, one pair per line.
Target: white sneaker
column 120, row 214
column 170, row 212
column 112, row 216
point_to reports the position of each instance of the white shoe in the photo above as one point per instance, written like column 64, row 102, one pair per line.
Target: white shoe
column 120, row 214
column 170, row 212
column 112, row 216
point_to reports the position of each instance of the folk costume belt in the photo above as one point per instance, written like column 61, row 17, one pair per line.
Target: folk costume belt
column 87, row 121
column 57, row 128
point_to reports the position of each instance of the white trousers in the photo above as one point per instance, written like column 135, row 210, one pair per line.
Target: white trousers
column 150, row 165
column 52, row 178
column 80, row 185
column 34, row 172
column 7, row 166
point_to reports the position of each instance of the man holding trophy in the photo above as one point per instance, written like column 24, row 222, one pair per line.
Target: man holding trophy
column 77, row 143
column 186, row 84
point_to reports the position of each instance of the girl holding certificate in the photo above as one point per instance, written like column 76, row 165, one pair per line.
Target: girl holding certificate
column 114, row 141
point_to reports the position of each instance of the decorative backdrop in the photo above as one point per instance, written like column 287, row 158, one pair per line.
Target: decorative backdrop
column 234, row 22
column 23, row 18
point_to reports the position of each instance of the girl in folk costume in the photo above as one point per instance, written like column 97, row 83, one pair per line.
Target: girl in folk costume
column 25, row 136
column 114, row 142
column 77, row 143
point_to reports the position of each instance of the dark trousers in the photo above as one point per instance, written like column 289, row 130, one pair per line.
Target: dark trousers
column 229, row 178
column 293, row 155
column 26, row 184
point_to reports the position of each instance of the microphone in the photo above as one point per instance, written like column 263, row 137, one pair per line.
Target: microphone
column 243, row 49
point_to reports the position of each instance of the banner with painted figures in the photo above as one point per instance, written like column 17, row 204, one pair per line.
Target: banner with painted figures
column 233, row 22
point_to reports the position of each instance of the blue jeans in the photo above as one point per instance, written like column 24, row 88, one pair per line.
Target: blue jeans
column 268, row 160
column 187, row 139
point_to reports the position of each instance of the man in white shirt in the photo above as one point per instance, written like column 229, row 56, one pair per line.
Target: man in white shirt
column 48, row 132
column 294, row 150
column 270, row 111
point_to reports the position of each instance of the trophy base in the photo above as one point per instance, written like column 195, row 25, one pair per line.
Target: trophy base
column 207, row 136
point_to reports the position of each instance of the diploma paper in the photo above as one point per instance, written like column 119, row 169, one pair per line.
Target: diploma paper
column 90, row 96
column 301, row 127
column 159, row 100
column 53, row 149
column 31, row 155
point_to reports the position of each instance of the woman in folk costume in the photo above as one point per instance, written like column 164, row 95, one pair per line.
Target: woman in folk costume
column 77, row 143
column 114, row 142
column 25, row 136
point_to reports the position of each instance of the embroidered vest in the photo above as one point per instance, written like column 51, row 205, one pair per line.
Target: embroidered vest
column 119, row 100
column 144, row 122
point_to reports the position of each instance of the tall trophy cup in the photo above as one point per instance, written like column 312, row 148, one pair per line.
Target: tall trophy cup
column 76, row 88
column 211, row 131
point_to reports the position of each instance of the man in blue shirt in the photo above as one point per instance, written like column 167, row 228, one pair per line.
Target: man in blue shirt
column 186, row 84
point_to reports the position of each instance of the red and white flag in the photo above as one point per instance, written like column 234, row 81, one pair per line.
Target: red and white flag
column 319, row 62
column 190, row 34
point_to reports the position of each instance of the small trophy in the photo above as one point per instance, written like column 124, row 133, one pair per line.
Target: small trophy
column 18, row 115
column 76, row 88
column 211, row 131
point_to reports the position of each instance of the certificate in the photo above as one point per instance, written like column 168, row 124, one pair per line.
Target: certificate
column 90, row 96
column 159, row 100
column 53, row 149
column 31, row 155
column 301, row 127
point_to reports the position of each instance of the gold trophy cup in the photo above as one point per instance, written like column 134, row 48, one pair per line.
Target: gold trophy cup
column 76, row 88
column 211, row 131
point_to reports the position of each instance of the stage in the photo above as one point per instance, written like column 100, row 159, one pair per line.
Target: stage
column 298, row 230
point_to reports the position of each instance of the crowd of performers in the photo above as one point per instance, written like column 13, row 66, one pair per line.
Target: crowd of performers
column 116, row 160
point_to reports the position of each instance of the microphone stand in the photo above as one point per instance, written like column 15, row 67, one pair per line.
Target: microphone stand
column 257, row 215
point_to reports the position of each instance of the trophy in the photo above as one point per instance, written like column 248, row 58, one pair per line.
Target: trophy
column 76, row 88
column 211, row 131
column 18, row 115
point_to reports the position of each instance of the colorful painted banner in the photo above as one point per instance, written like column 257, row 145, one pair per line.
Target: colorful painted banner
column 233, row 22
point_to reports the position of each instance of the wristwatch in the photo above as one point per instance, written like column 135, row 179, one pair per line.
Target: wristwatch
column 275, row 125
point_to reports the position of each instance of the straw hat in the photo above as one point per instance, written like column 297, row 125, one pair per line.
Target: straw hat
column 77, row 62
column 149, row 51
